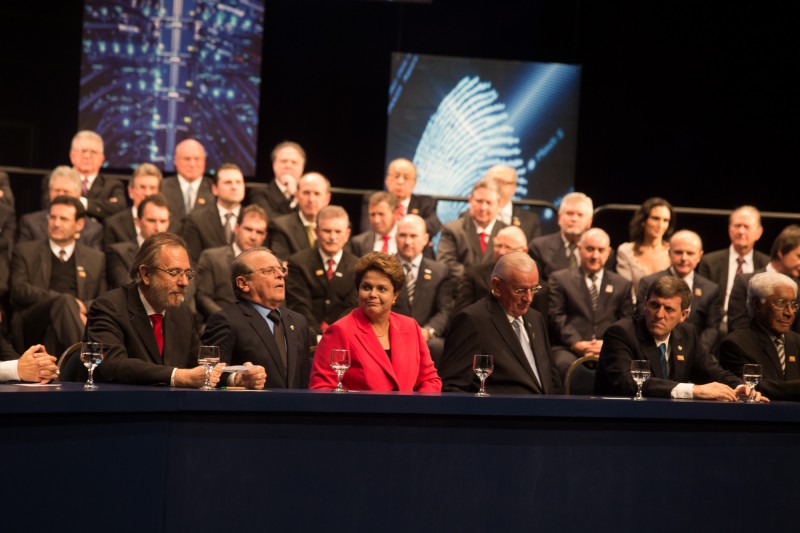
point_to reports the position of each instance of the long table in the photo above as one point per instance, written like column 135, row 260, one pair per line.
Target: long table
column 151, row 459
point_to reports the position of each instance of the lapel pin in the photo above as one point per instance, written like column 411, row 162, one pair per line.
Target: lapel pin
column 609, row 289
column 698, row 292
column 516, row 222
column 81, row 273
column 113, row 199
column 291, row 327
column 679, row 357
column 319, row 272
column 792, row 359
column 680, row 348
column 201, row 201
column 427, row 270
column 338, row 274
column 415, row 211
column 426, row 276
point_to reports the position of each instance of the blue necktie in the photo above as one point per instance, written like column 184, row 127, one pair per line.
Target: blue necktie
column 662, row 349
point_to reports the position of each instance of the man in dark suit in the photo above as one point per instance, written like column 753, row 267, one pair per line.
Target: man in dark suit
column 8, row 225
column 510, row 214
column 321, row 282
column 152, row 217
column 213, row 225
column 62, row 181
column 289, row 234
column 679, row 366
column 382, row 233
column 213, row 285
column 427, row 295
column 278, row 197
column 685, row 251
column 189, row 189
column 769, row 340
column 121, row 227
column 722, row 266
column 560, row 250
column 401, row 179
column 258, row 327
column 502, row 324
column 101, row 196
column 584, row 301
column 145, row 327
column 784, row 259
column 467, row 240
column 54, row 281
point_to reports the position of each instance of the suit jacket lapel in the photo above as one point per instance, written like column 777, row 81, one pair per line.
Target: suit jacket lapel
column 373, row 348
column 506, row 331
column 144, row 328
column 292, row 346
column 792, row 351
column 80, row 272
column 45, row 261
column 677, row 359
column 539, row 356
column 649, row 349
column 771, row 352
column 300, row 235
column 259, row 325
column 216, row 222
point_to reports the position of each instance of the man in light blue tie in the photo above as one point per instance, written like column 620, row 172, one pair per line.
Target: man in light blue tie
column 504, row 325
column 679, row 366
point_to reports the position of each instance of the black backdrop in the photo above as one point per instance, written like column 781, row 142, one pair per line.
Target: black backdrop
column 687, row 100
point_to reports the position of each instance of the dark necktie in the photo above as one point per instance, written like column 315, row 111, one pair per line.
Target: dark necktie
column 62, row 255
column 84, row 186
column 158, row 331
column 593, row 291
column 662, row 349
column 484, row 241
column 280, row 340
column 779, row 345
column 573, row 260
column 228, row 228
column 330, row 271
column 411, row 282
column 740, row 264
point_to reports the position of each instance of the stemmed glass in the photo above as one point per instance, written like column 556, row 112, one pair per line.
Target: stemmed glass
column 483, row 366
column 207, row 357
column 751, row 374
column 91, row 357
column 340, row 362
column 640, row 371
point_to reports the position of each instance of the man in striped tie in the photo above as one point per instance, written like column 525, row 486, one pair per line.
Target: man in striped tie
column 769, row 340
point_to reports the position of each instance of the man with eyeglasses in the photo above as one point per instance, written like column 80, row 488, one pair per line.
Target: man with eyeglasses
column 514, row 215
column 146, row 328
column 122, row 226
column 504, row 325
column 769, row 339
column 259, row 327
column 679, row 365
column 584, row 301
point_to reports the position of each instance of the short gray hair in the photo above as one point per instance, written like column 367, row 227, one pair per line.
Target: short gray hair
column 513, row 262
column 71, row 174
column 763, row 285
column 577, row 198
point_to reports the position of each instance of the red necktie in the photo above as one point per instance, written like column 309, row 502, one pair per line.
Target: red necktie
column 401, row 211
column 385, row 248
column 158, row 331
column 329, row 273
column 483, row 242
column 740, row 264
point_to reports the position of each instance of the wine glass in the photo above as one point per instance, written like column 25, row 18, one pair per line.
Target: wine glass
column 340, row 362
column 640, row 371
column 91, row 356
column 207, row 357
column 751, row 374
column 483, row 366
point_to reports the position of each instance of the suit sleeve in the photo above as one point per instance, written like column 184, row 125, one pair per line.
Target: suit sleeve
column 448, row 252
column 118, row 271
column 204, row 295
column 220, row 332
column 428, row 379
column 557, row 311
column 24, row 293
column 112, row 200
column 737, row 305
column 465, row 294
column 444, row 306
column 710, row 330
column 191, row 234
column 279, row 243
column 461, row 343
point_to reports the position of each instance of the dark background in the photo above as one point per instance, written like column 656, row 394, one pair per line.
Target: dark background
column 689, row 101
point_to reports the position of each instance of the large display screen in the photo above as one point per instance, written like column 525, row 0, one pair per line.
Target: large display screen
column 155, row 72
column 456, row 117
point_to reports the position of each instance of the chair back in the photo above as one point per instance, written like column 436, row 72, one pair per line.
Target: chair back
column 580, row 376
column 69, row 363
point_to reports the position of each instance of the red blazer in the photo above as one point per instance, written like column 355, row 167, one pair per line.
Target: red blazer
column 410, row 368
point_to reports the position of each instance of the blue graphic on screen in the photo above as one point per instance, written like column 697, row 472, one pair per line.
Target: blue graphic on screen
column 456, row 117
column 156, row 72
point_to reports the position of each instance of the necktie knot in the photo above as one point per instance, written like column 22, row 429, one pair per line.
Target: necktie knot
column 484, row 241
column 740, row 261
column 329, row 273
column 275, row 316
column 62, row 255
column 573, row 259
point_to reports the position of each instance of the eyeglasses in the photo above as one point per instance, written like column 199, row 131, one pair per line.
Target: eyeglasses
column 781, row 305
column 272, row 271
column 522, row 291
column 175, row 272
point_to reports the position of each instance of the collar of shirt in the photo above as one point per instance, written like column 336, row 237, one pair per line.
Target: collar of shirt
column 414, row 264
column 664, row 342
column 487, row 230
column 598, row 278
column 69, row 249
column 236, row 249
column 187, row 185
column 689, row 279
column 506, row 214
column 305, row 222
column 336, row 258
column 148, row 309
column 264, row 311
column 89, row 180
column 733, row 255
column 392, row 241
column 566, row 246
column 223, row 212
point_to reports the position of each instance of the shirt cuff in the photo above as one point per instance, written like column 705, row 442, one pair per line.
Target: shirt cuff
column 172, row 377
column 8, row 371
column 683, row 391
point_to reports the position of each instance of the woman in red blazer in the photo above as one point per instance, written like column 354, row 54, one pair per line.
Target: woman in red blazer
column 387, row 350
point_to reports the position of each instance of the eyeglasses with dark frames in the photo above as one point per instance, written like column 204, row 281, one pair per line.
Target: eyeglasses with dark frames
column 175, row 272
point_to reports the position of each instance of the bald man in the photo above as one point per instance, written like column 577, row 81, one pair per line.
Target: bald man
column 705, row 313
column 584, row 301
column 189, row 188
column 513, row 215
